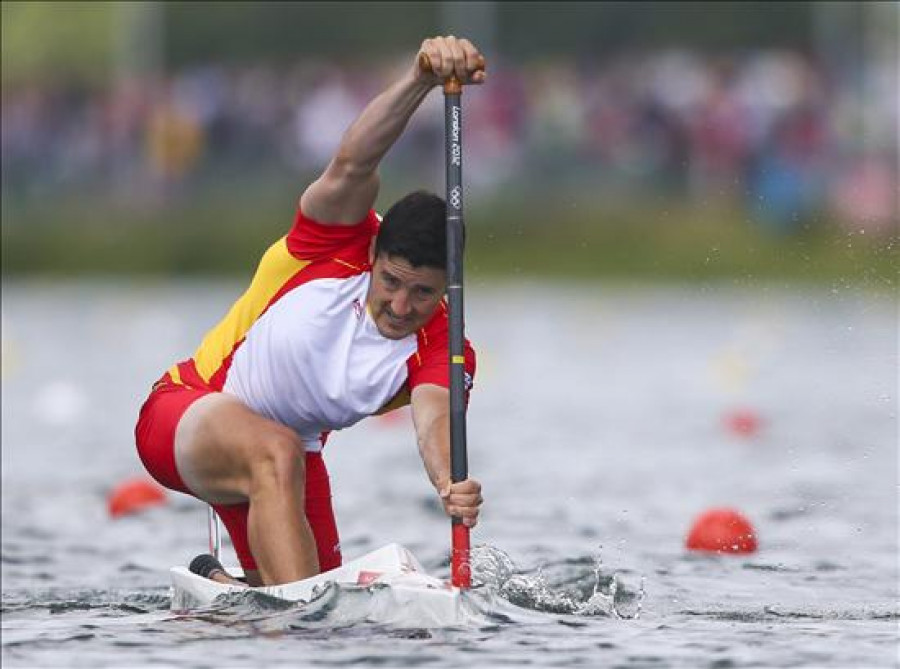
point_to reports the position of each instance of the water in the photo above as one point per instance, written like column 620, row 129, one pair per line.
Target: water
column 598, row 430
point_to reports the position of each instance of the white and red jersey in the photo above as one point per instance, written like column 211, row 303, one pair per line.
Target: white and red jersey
column 300, row 346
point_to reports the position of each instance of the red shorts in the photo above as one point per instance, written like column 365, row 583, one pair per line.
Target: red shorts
column 155, row 437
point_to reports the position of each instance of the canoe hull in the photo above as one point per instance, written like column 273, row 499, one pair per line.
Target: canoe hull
column 401, row 592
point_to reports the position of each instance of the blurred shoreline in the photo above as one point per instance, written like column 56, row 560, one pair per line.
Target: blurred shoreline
column 776, row 159
column 566, row 238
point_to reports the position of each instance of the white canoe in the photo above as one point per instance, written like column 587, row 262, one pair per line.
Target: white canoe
column 402, row 593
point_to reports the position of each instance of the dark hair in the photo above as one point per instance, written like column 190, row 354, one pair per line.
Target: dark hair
column 415, row 229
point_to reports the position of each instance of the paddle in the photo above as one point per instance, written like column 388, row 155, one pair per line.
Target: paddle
column 460, row 569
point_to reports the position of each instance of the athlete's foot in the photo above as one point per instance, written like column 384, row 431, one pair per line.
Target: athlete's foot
column 209, row 567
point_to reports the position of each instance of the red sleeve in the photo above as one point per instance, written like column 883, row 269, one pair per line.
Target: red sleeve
column 312, row 240
column 430, row 363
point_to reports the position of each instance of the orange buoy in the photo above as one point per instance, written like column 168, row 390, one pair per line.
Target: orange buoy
column 743, row 422
column 722, row 531
column 135, row 495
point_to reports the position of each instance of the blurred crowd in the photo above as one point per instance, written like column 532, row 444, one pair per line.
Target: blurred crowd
column 773, row 131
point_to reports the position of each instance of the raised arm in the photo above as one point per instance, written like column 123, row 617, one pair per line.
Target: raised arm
column 347, row 189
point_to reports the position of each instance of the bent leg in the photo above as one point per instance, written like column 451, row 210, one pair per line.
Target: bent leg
column 319, row 513
column 228, row 454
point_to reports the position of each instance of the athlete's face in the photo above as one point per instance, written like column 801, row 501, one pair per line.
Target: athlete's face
column 401, row 297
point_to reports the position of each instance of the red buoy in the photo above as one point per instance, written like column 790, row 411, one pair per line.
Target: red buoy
column 743, row 422
column 135, row 495
column 722, row 531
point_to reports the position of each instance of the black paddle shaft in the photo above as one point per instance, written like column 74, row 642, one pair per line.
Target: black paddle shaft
column 461, row 570
column 455, row 246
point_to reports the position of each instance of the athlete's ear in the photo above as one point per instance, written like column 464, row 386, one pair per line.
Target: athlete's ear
column 372, row 251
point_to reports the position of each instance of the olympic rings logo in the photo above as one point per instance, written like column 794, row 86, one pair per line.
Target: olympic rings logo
column 456, row 197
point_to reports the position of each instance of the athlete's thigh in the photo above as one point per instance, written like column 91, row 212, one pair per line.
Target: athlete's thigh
column 216, row 442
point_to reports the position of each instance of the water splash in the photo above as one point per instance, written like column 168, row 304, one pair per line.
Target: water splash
column 574, row 591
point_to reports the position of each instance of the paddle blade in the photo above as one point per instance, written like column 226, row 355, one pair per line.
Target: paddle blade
column 460, row 568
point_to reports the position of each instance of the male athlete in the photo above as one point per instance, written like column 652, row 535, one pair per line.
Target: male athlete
column 343, row 319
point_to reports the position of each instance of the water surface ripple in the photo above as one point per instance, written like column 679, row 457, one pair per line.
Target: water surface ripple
column 599, row 430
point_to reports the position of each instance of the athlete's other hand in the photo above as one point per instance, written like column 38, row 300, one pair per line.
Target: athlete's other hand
column 451, row 56
column 463, row 500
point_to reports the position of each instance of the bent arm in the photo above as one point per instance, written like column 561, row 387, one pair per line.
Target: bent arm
column 431, row 415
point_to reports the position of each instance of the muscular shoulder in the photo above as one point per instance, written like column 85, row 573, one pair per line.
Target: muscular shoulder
column 314, row 240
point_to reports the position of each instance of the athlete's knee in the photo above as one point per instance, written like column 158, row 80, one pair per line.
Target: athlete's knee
column 279, row 461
